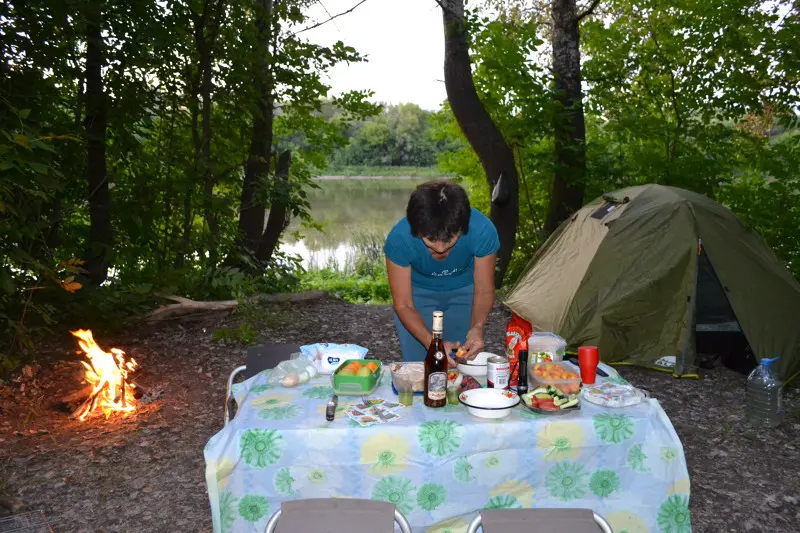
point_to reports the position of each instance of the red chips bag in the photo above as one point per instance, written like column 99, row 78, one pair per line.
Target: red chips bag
column 517, row 333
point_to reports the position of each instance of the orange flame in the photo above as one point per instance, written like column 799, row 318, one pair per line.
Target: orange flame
column 107, row 373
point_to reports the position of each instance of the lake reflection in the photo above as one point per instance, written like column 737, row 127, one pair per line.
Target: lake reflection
column 345, row 208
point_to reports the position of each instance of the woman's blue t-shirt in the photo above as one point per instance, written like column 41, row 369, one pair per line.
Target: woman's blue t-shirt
column 456, row 270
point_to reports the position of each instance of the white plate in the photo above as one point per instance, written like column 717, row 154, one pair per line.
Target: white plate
column 476, row 367
column 489, row 403
column 613, row 394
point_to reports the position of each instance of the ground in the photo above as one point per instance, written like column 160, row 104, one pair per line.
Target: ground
column 145, row 472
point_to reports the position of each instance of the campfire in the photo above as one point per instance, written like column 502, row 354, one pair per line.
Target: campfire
column 106, row 374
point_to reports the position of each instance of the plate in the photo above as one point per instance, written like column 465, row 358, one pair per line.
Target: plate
column 489, row 403
column 613, row 394
column 553, row 412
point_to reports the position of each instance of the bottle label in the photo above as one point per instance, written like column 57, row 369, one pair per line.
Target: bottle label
column 439, row 356
column 437, row 386
column 438, row 322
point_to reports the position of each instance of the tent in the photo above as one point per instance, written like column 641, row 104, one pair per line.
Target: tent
column 647, row 272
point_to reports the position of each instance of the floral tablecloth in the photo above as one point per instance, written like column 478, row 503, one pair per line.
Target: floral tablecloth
column 441, row 466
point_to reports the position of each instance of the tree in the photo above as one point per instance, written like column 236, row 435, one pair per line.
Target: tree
column 494, row 153
column 569, row 127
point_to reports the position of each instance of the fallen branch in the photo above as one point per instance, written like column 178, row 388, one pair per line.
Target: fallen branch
column 78, row 395
column 183, row 306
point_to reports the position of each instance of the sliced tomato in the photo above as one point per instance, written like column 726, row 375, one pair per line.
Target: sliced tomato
column 547, row 405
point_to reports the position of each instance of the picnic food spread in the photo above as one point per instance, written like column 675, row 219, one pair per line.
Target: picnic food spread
column 354, row 430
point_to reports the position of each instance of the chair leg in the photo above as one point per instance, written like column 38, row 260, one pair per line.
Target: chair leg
column 405, row 527
column 235, row 373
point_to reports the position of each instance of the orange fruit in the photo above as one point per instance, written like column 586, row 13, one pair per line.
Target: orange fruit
column 372, row 366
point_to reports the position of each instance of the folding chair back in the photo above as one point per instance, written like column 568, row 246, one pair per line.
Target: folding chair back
column 336, row 515
column 539, row 521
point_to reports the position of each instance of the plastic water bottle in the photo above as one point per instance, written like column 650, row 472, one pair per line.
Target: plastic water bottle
column 763, row 404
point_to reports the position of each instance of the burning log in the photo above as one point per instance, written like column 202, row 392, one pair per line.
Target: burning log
column 106, row 374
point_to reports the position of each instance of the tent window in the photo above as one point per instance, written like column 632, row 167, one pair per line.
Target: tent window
column 604, row 210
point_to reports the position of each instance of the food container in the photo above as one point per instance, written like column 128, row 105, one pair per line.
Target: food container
column 545, row 347
column 327, row 357
column 560, row 375
column 345, row 385
column 476, row 367
column 408, row 375
column 489, row 403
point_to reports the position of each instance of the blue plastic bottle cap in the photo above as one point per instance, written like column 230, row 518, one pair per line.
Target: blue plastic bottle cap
column 768, row 362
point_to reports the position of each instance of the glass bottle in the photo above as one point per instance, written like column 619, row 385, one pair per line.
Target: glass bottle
column 436, row 366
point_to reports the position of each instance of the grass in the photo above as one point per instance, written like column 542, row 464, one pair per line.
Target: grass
column 414, row 172
column 361, row 280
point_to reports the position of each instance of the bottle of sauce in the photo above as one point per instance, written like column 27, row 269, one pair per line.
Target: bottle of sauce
column 522, row 384
column 436, row 366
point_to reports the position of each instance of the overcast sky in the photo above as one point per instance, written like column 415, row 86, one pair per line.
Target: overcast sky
column 403, row 40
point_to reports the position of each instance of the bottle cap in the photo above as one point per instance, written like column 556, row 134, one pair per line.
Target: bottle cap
column 768, row 362
column 438, row 320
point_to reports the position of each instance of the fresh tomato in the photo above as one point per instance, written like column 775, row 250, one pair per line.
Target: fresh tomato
column 547, row 405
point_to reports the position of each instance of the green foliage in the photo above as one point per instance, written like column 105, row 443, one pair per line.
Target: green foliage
column 400, row 136
column 244, row 334
column 362, row 279
column 430, row 172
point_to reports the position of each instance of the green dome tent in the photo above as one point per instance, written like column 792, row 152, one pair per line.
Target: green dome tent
column 638, row 271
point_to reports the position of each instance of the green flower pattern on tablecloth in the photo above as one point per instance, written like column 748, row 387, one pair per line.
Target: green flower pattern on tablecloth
column 673, row 515
column 281, row 412
column 227, row 511
column 492, row 461
column 613, row 428
column 603, row 483
column 264, row 387
column 566, row 481
column 319, row 392
column 431, row 495
column 440, row 437
column 531, row 415
column 260, row 447
column 253, row 508
column 284, row 481
column 668, row 455
column 637, row 459
column 316, row 476
column 504, row 501
column 396, row 490
column 462, row 470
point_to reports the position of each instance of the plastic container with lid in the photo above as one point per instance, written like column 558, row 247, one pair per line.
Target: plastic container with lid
column 405, row 375
column 763, row 402
column 544, row 347
column 356, row 385
column 558, row 375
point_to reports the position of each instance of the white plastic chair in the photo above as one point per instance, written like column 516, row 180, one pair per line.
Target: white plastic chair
column 258, row 358
column 531, row 516
column 336, row 515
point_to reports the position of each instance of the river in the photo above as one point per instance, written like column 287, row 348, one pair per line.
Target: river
column 349, row 210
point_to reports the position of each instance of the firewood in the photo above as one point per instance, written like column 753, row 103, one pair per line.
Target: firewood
column 78, row 395
column 185, row 305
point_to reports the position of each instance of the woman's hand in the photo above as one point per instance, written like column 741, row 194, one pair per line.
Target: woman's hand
column 474, row 344
column 449, row 348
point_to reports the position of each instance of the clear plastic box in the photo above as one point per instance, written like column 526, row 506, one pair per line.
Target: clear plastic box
column 544, row 374
column 546, row 347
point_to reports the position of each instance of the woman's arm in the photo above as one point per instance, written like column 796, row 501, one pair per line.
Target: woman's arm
column 482, row 302
column 403, row 302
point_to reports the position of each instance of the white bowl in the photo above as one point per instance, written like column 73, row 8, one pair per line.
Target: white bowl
column 477, row 367
column 489, row 403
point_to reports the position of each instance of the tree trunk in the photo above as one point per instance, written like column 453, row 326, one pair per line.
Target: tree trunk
column 495, row 155
column 569, row 128
column 278, row 212
column 203, row 45
column 252, row 211
column 100, row 234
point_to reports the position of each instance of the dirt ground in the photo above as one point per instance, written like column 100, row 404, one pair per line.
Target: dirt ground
column 145, row 472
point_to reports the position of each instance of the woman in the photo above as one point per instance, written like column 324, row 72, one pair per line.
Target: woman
column 441, row 257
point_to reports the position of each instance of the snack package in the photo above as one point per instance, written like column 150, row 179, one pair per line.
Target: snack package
column 517, row 331
column 328, row 356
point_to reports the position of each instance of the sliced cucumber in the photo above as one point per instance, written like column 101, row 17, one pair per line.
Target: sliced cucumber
column 542, row 396
column 560, row 401
column 539, row 390
column 568, row 404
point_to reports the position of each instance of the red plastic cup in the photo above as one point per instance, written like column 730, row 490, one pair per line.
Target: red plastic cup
column 588, row 357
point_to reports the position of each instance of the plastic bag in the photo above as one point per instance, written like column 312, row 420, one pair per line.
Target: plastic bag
column 328, row 356
column 544, row 347
column 295, row 371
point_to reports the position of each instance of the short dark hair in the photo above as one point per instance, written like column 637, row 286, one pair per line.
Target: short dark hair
column 438, row 210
